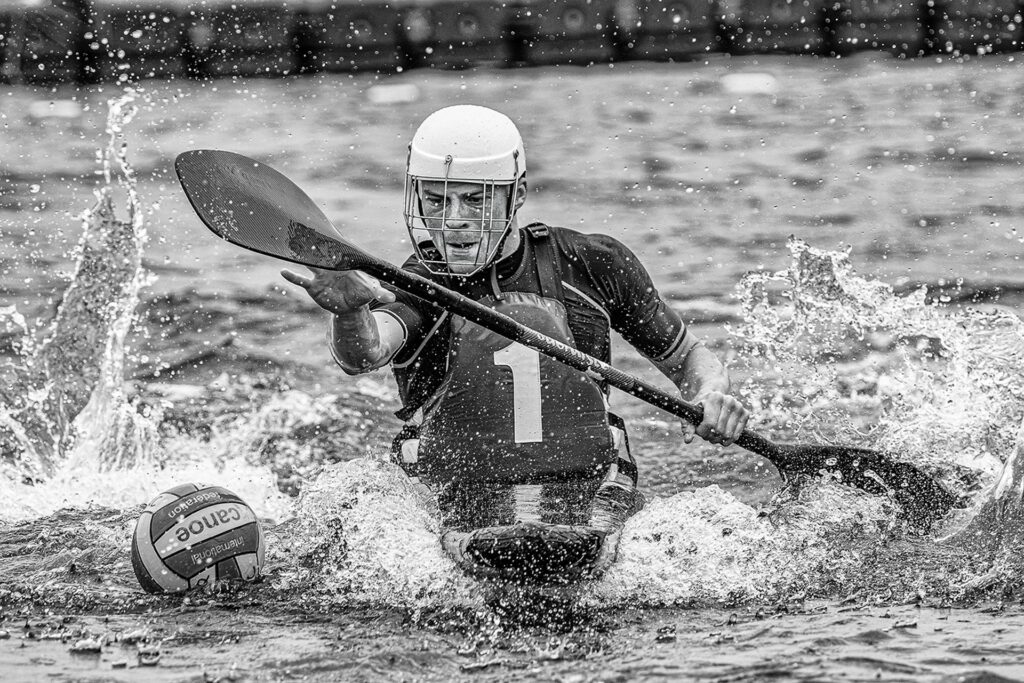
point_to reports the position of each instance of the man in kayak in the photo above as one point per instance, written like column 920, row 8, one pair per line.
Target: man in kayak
column 506, row 435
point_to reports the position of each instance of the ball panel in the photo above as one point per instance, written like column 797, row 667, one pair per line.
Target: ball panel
column 203, row 578
column 168, row 515
column 163, row 499
column 228, row 569
column 249, row 565
column 149, row 569
column 191, row 561
column 203, row 525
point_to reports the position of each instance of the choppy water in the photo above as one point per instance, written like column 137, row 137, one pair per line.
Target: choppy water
column 726, row 574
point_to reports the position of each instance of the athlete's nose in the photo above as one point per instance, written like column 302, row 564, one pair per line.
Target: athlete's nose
column 456, row 214
column 457, row 226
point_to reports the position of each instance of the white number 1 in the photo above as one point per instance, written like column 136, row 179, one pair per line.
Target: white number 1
column 525, row 365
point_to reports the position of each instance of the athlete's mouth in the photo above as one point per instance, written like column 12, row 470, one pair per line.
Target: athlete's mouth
column 461, row 246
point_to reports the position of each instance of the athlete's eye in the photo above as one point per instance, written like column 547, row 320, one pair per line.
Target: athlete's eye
column 434, row 202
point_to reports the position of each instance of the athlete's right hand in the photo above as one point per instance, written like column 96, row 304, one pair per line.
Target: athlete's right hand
column 340, row 291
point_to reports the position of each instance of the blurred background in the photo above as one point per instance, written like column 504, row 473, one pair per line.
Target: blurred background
column 91, row 41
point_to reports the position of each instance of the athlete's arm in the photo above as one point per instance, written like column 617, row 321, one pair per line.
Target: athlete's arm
column 646, row 321
column 701, row 378
column 361, row 340
column 365, row 341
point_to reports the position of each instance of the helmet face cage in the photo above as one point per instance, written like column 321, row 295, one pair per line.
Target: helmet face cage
column 426, row 230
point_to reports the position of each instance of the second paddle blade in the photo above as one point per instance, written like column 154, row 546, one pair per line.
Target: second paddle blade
column 252, row 205
column 924, row 498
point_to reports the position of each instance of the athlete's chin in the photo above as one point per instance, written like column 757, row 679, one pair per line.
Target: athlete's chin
column 462, row 268
column 462, row 261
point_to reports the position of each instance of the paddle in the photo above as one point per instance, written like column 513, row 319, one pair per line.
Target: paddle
column 251, row 205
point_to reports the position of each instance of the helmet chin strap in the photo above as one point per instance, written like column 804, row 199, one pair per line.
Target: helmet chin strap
column 501, row 244
column 495, row 289
column 511, row 227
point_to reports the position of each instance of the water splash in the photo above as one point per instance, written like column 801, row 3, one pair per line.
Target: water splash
column 366, row 534
column 994, row 534
column 80, row 359
column 295, row 433
column 844, row 353
column 70, row 436
column 851, row 361
column 706, row 547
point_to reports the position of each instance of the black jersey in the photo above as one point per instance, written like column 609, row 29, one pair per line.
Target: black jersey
column 604, row 287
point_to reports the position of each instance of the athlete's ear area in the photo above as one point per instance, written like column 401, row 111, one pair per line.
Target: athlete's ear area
column 520, row 192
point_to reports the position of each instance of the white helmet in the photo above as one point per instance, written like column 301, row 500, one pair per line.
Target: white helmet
column 462, row 144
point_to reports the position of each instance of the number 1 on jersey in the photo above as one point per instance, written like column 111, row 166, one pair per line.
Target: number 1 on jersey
column 524, row 363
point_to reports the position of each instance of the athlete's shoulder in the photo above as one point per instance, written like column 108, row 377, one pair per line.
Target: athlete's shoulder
column 576, row 242
column 592, row 249
column 585, row 240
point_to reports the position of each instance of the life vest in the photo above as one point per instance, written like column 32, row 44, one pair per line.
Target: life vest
column 505, row 413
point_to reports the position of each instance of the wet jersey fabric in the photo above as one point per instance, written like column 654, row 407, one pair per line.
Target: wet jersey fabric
column 603, row 285
column 506, row 413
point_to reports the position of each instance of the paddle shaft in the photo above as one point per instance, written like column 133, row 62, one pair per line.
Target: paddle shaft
column 511, row 329
column 255, row 207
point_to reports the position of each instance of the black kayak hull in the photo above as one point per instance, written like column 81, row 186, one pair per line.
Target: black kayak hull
column 540, row 549
column 532, row 553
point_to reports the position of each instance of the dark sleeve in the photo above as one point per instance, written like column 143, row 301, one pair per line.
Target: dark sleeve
column 416, row 315
column 626, row 290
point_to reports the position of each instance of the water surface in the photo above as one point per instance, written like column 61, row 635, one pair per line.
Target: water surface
column 727, row 575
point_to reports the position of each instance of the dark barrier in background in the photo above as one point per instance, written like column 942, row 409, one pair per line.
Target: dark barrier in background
column 788, row 26
column 972, row 26
column 44, row 41
column 893, row 26
column 348, row 37
column 41, row 41
column 133, row 42
column 676, row 29
column 455, row 33
column 571, row 31
column 625, row 29
column 226, row 38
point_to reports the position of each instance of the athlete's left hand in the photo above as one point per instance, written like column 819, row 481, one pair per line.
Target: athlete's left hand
column 725, row 418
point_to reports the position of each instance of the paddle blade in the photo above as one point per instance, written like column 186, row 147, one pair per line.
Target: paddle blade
column 252, row 205
column 922, row 497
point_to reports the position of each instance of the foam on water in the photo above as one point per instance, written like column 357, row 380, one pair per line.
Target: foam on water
column 706, row 547
column 148, row 461
column 365, row 534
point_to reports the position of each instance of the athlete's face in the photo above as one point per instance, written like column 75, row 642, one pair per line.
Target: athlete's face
column 465, row 220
